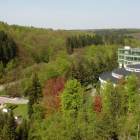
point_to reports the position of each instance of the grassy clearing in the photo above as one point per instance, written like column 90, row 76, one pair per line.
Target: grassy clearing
column 19, row 110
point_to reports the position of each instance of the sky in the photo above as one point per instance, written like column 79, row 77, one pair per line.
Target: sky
column 72, row 14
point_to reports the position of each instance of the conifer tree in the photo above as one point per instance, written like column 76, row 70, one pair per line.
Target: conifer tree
column 8, row 48
column 23, row 131
column 1, row 69
column 35, row 93
column 11, row 126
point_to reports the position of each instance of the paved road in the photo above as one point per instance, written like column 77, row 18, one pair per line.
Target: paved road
column 13, row 100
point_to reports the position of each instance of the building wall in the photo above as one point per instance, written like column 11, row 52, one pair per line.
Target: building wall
column 128, row 55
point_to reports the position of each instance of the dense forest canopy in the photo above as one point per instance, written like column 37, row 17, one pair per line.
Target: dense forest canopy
column 54, row 69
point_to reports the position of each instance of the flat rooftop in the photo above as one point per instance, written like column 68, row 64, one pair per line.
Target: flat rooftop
column 107, row 76
column 121, row 71
column 135, row 66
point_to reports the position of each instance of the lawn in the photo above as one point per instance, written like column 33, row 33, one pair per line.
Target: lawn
column 19, row 110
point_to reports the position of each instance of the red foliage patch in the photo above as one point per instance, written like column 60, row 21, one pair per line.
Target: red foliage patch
column 52, row 91
column 97, row 104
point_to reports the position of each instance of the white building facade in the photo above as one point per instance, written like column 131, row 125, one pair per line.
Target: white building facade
column 129, row 62
column 128, row 55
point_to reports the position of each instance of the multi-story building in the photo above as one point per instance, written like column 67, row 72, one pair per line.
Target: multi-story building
column 128, row 55
column 129, row 62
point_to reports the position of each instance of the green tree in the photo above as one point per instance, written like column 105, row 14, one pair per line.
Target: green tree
column 1, row 69
column 11, row 126
column 82, row 71
column 35, row 94
column 30, row 107
column 22, row 131
column 8, row 48
column 72, row 98
column 38, row 112
column 108, row 124
column 4, row 133
column 111, row 100
column 131, row 88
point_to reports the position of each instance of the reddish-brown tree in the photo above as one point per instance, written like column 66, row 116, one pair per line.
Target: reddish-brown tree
column 97, row 104
column 52, row 91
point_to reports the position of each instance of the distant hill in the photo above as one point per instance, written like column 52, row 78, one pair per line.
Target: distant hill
column 33, row 42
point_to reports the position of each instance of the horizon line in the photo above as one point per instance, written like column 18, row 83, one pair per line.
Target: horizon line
column 71, row 29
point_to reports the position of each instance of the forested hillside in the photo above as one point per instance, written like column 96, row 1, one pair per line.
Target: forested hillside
column 57, row 70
